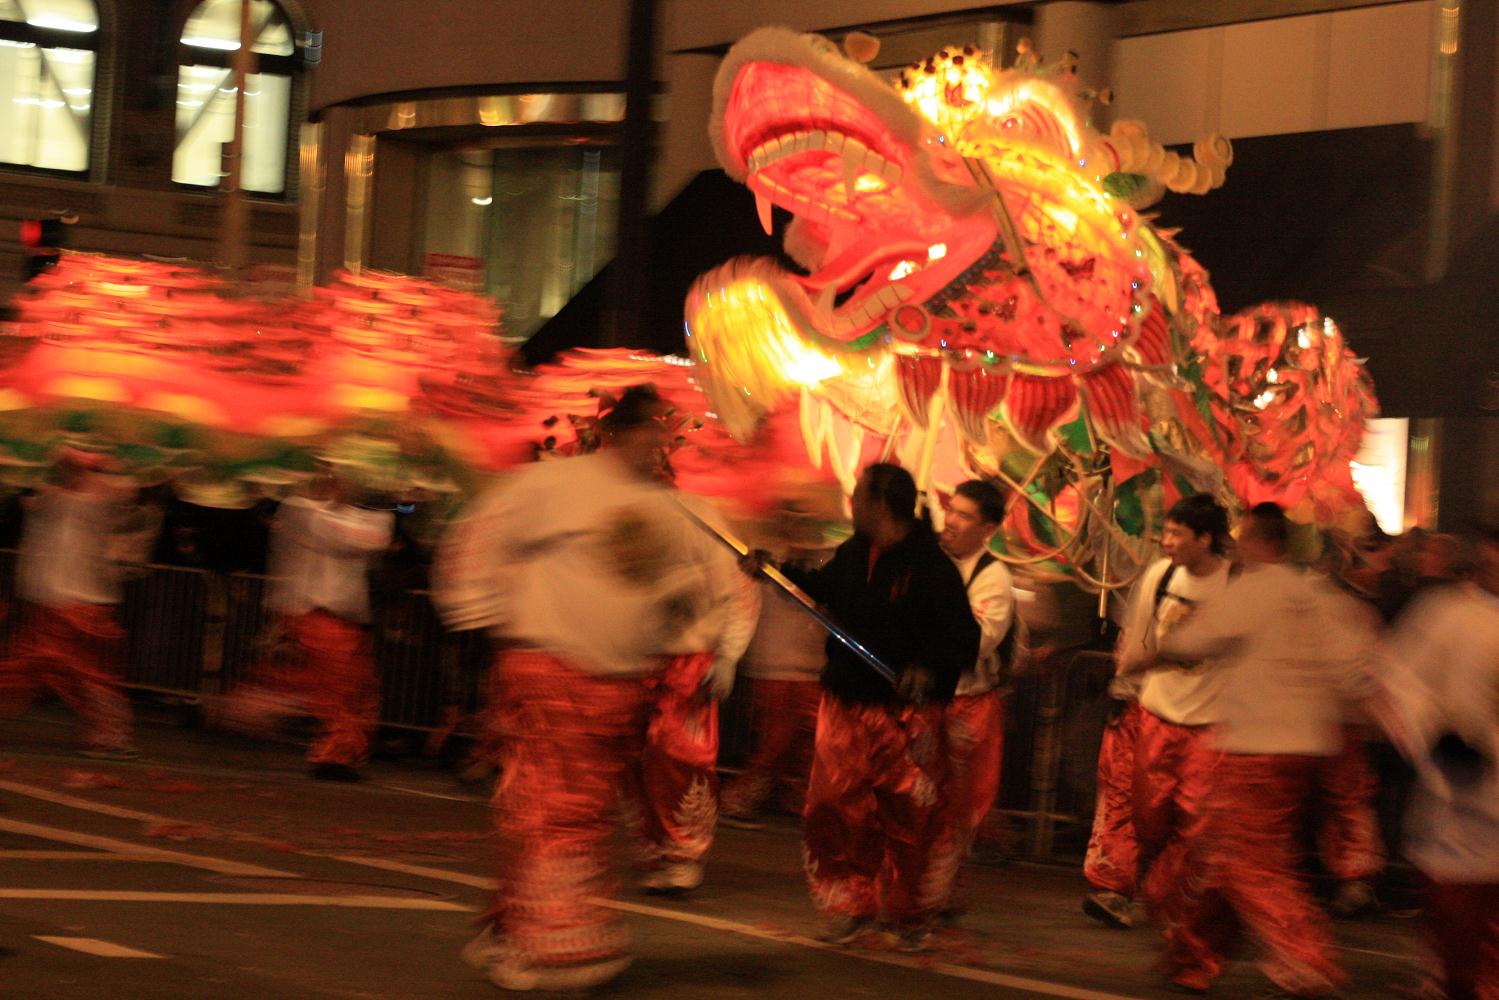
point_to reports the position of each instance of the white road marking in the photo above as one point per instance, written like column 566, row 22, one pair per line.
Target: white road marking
column 234, row 899
column 428, row 795
column 64, row 799
column 734, row 927
column 93, row 946
column 480, row 882
column 440, row 874
column 144, row 853
column 73, row 856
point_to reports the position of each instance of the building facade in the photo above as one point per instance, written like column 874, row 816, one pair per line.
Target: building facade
column 486, row 144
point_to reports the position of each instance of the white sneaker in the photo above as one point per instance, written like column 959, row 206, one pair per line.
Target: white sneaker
column 673, row 878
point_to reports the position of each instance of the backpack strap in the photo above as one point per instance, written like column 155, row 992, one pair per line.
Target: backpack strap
column 985, row 560
column 1165, row 584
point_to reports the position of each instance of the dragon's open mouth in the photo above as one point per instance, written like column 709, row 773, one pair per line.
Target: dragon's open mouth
column 869, row 228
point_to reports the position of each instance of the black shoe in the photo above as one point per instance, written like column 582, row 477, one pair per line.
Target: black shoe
column 335, row 772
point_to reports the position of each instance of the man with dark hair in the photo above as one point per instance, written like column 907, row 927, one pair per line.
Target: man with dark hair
column 1292, row 655
column 1441, row 675
column 1152, row 764
column 608, row 598
column 973, row 723
column 876, row 766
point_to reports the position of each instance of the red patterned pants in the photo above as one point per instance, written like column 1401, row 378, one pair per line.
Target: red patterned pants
column 784, row 721
column 1172, row 779
column 1112, row 860
column 1348, row 840
column 327, row 671
column 571, row 742
column 1463, row 927
column 876, row 770
column 678, row 778
column 1246, row 864
column 73, row 651
column 973, row 737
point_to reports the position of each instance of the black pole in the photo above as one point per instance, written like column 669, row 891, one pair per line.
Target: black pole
column 630, row 272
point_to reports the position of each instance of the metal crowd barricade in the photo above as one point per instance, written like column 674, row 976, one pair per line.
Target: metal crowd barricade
column 1054, row 724
column 194, row 633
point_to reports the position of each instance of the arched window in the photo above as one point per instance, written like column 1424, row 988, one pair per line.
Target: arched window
column 47, row 56
column 205, row 95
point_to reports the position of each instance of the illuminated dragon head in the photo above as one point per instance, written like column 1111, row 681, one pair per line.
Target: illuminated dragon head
column 980, row 292
column 961, row 227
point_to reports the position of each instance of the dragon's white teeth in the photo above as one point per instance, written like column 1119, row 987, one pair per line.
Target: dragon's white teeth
column 763, row 206
column 824, row 303
column 853, row 162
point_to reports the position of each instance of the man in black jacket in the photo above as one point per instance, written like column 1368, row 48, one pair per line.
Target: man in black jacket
column 875, row 773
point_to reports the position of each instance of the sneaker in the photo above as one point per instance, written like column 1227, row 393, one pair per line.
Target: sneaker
column 483, row 950
column 329, row 771
column 1110, row 908
column 1353, row 898
column 673, row 878
column 111, row 753
column 913, row 939
column 842, row 930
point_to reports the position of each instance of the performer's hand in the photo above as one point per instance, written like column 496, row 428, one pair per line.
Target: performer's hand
column 915, row 684
column 719, row 680
column 751, row 563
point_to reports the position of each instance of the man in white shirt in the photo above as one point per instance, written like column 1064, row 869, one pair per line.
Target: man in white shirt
column 1153, row 765
column 322, row 550
column 973, row 722
column 70, row 640
column 1294, row 660
column 598, row 582
column 1441, row 706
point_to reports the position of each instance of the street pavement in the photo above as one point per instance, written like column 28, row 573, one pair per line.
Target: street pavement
column 214, row 867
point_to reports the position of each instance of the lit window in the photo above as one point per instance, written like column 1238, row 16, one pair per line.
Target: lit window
column 47, row 50
column 205, row 96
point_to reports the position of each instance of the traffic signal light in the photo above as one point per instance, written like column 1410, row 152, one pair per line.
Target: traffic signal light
column 41, row 243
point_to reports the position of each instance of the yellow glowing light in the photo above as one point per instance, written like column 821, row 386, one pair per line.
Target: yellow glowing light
column 936, row 251
column 901, row 270
column 869, row 182
column 753, row 347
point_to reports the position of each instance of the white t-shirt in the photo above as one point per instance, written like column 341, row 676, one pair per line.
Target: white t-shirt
column 991, row 595
column 579, row 557
column 1295, row 651
column 789, row 644
column 1440, row 671
column 321, row 554
column 1183, row 695
column 64, row 553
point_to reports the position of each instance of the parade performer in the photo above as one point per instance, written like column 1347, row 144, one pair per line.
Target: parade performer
column 678, row 777
column 973, row 725
column 1441, row 676
column 876, row 766
column 591, row 572
column 1294, row 659
column 782, row 665
column 70, row 640
column 1169, row 760
column 322, row 548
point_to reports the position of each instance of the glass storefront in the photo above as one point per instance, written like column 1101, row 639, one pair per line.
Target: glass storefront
column 536, row 222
